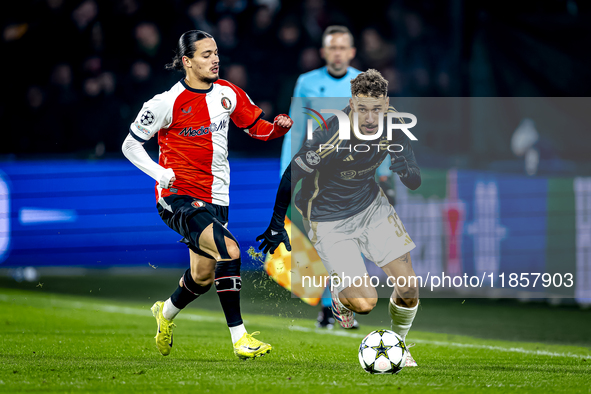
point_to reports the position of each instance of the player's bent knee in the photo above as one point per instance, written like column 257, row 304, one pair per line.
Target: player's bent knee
column 225, row 243
column 208, row 281
column 362, row 305
column 202, row 277
column 195, row 286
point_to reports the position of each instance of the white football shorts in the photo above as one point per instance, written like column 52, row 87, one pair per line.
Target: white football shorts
column 377, row 232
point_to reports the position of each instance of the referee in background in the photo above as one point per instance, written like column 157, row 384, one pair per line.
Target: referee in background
column 332, row 80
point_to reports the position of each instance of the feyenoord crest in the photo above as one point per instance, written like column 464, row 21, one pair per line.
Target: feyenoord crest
column 147, row 118
column 197, row 204
column 226, row 103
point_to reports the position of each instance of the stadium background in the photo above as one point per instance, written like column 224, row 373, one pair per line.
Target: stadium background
column 78, row 71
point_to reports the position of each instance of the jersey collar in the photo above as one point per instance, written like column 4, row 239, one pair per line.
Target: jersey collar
column 335, row 77
column 190, row 89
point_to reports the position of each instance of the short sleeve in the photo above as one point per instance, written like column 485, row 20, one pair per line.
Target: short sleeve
column 155, row 114
column 245, row 113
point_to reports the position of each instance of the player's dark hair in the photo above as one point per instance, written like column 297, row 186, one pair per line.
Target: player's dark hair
column 186, row 47
column 370, row 83
column 334, row 29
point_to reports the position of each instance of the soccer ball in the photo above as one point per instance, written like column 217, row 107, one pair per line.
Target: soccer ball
column 382, row 351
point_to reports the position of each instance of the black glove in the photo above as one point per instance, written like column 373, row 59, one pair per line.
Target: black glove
column 399, row 165
column 272, row 239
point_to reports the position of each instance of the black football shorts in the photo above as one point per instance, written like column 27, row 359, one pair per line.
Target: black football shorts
column 189, row 216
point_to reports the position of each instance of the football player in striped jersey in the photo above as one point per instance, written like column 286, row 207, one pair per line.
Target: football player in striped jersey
column 193, row 176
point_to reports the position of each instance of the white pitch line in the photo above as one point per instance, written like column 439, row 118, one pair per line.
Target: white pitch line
column 141, row 312
column 119, row 309
column 338, row 333
column 504, row 349
column 341, row 333
column 454, row 344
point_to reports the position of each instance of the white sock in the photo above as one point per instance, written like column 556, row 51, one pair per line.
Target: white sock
column 169, row 311
column 237, row 332
column 402, row 318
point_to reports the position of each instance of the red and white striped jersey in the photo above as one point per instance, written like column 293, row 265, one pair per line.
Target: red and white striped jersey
column 192, row 127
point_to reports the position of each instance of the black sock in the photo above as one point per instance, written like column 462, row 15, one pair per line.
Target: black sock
column 228, row 285
column 230, row 301
column 187, row 293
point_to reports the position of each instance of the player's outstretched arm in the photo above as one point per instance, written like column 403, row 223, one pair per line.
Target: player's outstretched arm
column 263, row 130
column 134, row 151
column 275, row 233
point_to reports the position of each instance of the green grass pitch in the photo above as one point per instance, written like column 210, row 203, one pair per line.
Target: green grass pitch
column 59, row 343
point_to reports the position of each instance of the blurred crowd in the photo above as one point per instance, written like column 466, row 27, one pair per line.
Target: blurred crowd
column 81, row 69
column 78, row 71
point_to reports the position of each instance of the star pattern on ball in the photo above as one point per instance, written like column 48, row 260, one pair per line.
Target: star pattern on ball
column 395, row 368
column 369, row 367
column 401, row 345
column 363, row 346
column 381, row 349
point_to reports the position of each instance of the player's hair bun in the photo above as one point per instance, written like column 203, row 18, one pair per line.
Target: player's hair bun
column 186, row 47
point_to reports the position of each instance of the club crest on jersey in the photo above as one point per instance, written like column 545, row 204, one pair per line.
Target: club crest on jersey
column 147, row 118
column 197, row 204
column 348, row 174
column 226, row 103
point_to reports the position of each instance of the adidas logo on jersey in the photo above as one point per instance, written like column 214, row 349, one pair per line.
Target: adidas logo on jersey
column 349, row 158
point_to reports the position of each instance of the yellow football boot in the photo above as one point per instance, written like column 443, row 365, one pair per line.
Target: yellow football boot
column 164, row 333
column 249, row 347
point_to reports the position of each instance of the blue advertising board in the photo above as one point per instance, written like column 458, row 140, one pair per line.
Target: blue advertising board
column 103, row 213
column 505, row 223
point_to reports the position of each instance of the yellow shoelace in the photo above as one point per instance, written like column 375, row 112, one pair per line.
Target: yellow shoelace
column 167, row 333
column 251, row 340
